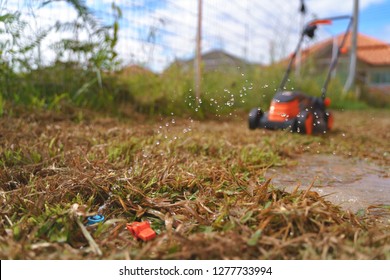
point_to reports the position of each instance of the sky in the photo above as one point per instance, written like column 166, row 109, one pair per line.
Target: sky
column 374, row 15
column 154, row 33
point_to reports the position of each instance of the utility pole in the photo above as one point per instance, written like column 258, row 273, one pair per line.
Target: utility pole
column 302, row 10
column 246, row 36
column 352, row 67
column 198, row 54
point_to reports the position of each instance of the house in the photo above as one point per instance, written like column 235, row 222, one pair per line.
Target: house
column 215, row 60
column 134, row 69
column 373, row 60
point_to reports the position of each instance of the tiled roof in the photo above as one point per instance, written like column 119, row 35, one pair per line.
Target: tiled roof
column 371, row 51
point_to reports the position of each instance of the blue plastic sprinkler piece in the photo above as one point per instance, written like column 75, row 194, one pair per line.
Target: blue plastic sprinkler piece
column 95, row 219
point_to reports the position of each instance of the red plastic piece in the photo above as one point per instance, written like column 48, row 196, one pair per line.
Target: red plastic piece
column 330, row 121
column 327, row 101
column 321, row 21
column 147, row 234
column 309, row 124
column 141, row 230
column 344, row 50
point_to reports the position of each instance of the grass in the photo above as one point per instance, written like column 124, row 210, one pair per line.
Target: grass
column 201, row 184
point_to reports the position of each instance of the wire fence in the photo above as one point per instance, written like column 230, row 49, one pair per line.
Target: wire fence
column 156, row 33
column 164, row 33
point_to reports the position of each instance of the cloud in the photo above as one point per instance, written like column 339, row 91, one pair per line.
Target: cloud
column 334, row 7
column 38, row 21
column 386, row 33
column 241, row 29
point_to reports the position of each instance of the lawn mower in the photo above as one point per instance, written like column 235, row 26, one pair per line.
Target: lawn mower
column 294, row 110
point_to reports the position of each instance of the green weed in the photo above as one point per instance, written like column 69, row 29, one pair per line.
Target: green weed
column 124, row 152
column 10, row 157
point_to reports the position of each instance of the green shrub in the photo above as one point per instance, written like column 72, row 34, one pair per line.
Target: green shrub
column 376, row 97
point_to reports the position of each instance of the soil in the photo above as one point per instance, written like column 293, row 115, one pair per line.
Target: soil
column 203, row 185
column 350, row 183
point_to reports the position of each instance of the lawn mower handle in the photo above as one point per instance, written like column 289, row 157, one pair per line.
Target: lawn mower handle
column 309, row 31
column 336, row 57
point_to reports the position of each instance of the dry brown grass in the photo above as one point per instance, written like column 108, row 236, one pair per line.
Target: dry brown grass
column 200, row 184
